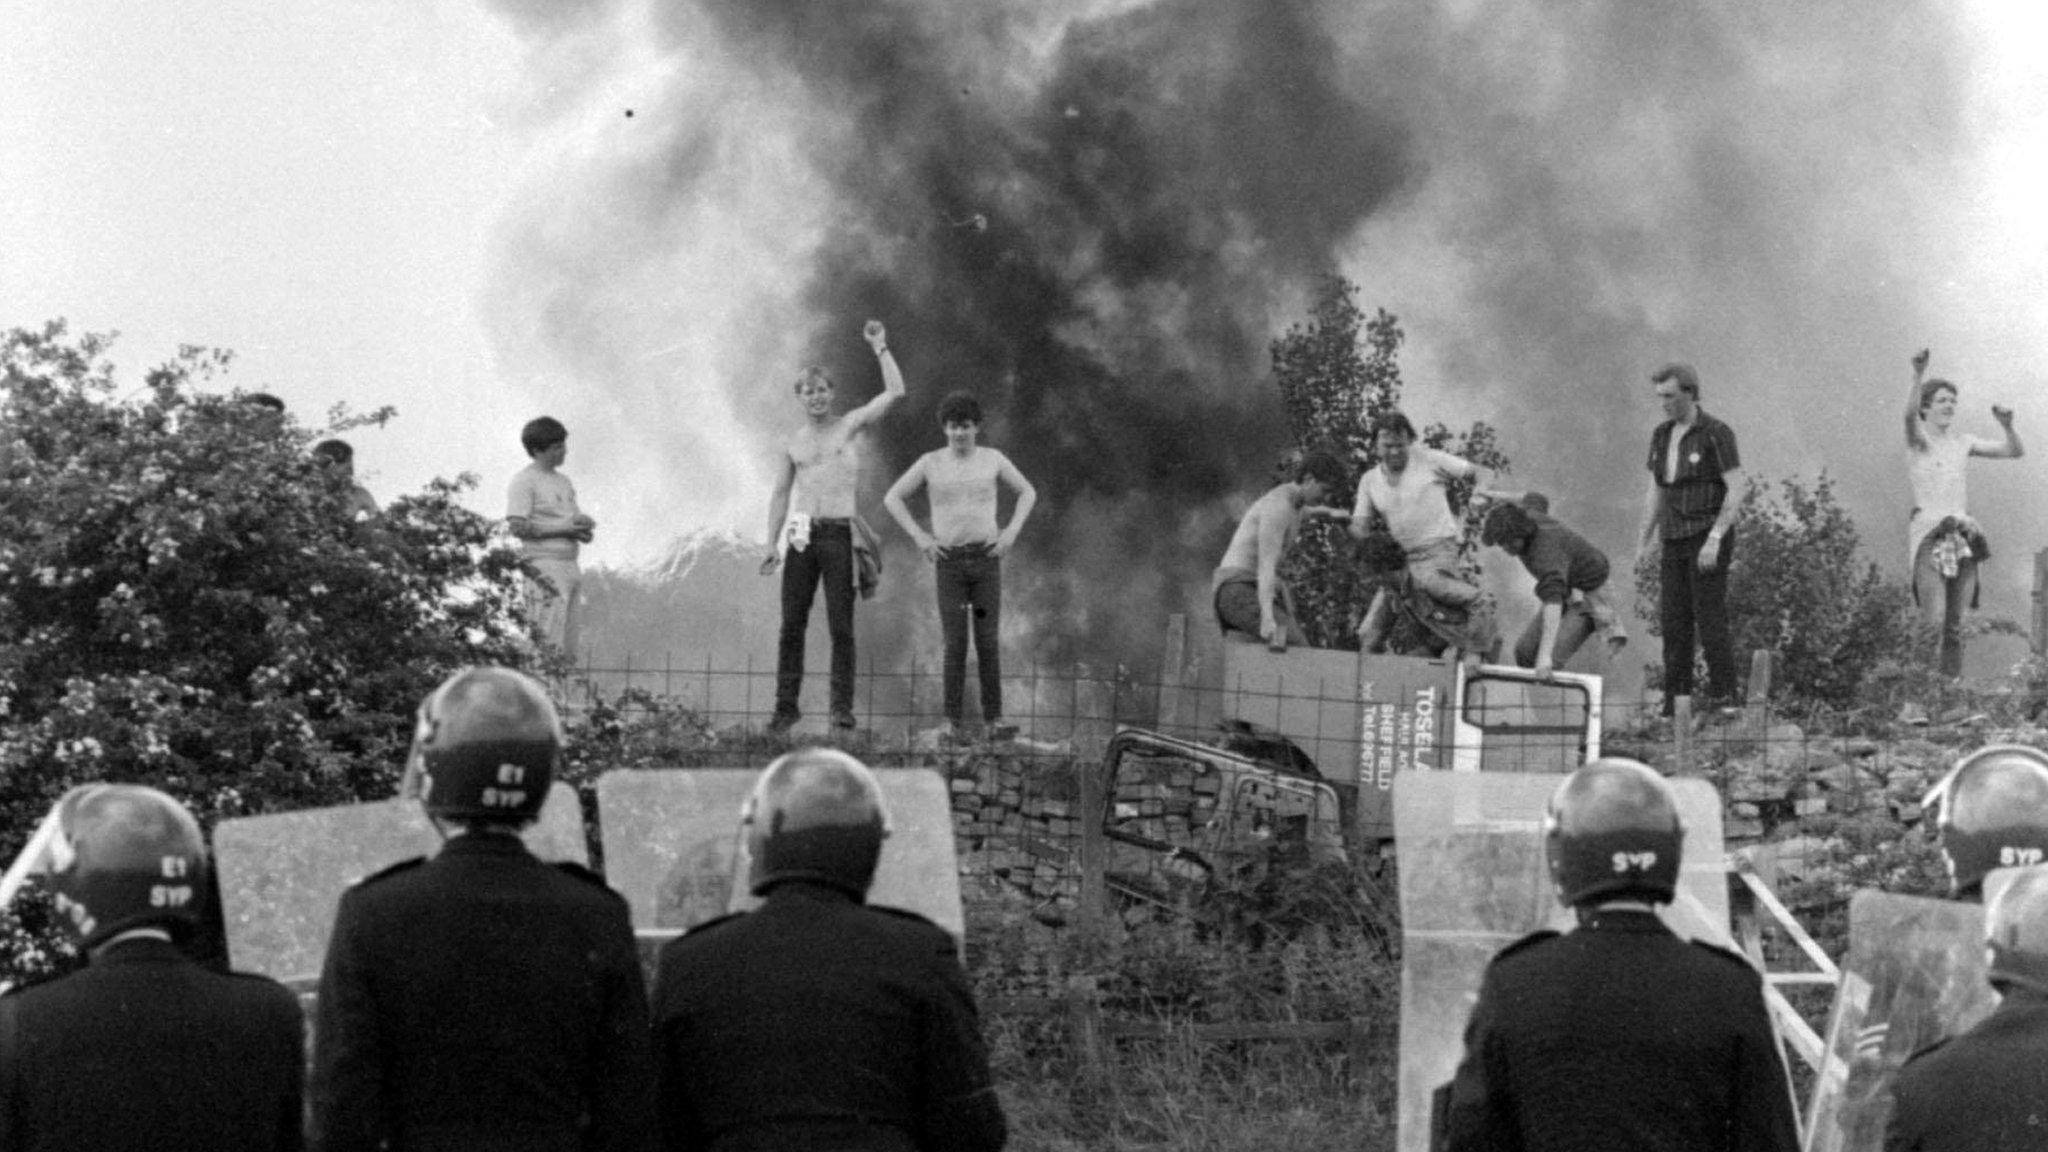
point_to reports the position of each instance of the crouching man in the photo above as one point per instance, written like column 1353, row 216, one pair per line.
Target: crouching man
column 1247, row 591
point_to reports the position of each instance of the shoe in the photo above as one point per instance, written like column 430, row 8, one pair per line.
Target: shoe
column 842, row 719
column 781, row 723
column 998, row 731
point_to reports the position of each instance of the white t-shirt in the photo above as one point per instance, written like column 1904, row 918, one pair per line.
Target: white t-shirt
column 1416, row 505
column 549, row 501
column 1938, row 476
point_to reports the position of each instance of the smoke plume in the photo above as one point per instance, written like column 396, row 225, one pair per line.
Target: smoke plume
column 1094, row 215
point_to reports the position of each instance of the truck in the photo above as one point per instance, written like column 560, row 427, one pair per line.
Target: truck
column 1298, row 750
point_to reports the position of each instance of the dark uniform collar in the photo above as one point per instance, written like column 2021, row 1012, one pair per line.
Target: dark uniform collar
column 1620, row 920
column 138, row 950
column 812, row 890
column 485, row 844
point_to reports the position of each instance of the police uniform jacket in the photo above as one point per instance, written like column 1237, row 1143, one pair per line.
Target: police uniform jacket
column 1620, row 1036
column 1984, row 1091
column 819, row 1022
column 482, row 1000
column 144, row 1050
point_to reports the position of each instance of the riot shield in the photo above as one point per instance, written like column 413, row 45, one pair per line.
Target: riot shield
column 672, row 846
column 282, row 874
column 1914, row 974
column 1474, row 879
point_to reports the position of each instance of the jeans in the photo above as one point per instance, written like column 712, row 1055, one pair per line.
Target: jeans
column 1942, row 600
column 1574, row 626
column 970, row 586
column 830, row 559
column 1692, row 602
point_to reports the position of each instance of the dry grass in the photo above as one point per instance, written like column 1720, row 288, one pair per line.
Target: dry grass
column 1181, row 1091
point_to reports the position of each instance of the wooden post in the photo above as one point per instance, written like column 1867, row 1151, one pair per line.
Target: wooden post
column 1172, row 671
column 1358, row 1042
column 1084, row 1016
column 2041, row 602
column 1090, row 903
column 1756, row 713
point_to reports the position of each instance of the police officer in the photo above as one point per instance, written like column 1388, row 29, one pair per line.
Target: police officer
column 818, row 1021
column 1619, row 1034
column 483, row 999
column 1991, row 811
column 144, row 1049
column 1987, row 1090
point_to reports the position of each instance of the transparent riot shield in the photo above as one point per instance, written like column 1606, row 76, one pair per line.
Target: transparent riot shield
column 282, row 874
column 672, row 846
column 1914, row 974
column 1474, row 880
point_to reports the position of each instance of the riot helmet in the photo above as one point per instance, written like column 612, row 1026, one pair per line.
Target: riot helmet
column 815, row 814
column 2016, row 932
column 125, row 856
column 1612, row 831
column 486, row 747
column 1991, row 811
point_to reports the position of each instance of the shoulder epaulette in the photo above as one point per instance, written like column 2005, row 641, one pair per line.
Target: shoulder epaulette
column 392, row 870
column 942, row 942
column 906, row 914
column 708, row 925
column 1536, row 937
column 1927, row 1048
column 583, row 873
column 1720, row 953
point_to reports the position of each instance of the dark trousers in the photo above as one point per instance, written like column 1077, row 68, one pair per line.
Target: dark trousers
column 829, row 559
column 970, row 583
column 1692, row 603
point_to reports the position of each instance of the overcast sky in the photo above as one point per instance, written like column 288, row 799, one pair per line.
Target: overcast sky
column 345, row 194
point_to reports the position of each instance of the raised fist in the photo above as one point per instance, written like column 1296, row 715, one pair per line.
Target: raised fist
column 2001, row 413
column 1920, row 360
column 878, row 336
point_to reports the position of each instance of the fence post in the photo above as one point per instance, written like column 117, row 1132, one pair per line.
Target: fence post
column 1089, row 904
column 1084, row 1016
column 1757, row 708
column 2041, row 602
column 1170, row 670
column 1358, row 1046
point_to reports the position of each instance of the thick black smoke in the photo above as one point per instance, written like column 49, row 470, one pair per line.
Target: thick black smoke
column 1176, row 169
column 1097, row 245
column 1555, row 199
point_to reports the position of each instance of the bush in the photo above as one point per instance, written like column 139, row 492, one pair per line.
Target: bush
column 185, row 600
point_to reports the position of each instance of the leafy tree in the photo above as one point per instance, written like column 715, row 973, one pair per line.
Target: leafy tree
column 1333, row 390
column 186, row 602
column 1799, row 588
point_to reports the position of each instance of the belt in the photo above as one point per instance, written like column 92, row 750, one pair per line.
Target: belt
column 831, row 522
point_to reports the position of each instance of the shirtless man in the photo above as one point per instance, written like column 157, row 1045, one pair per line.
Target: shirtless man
column 811, row 526
column 1246, row 589
column 961, row 482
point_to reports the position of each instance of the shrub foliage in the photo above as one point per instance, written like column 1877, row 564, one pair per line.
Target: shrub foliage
column 186, row 600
